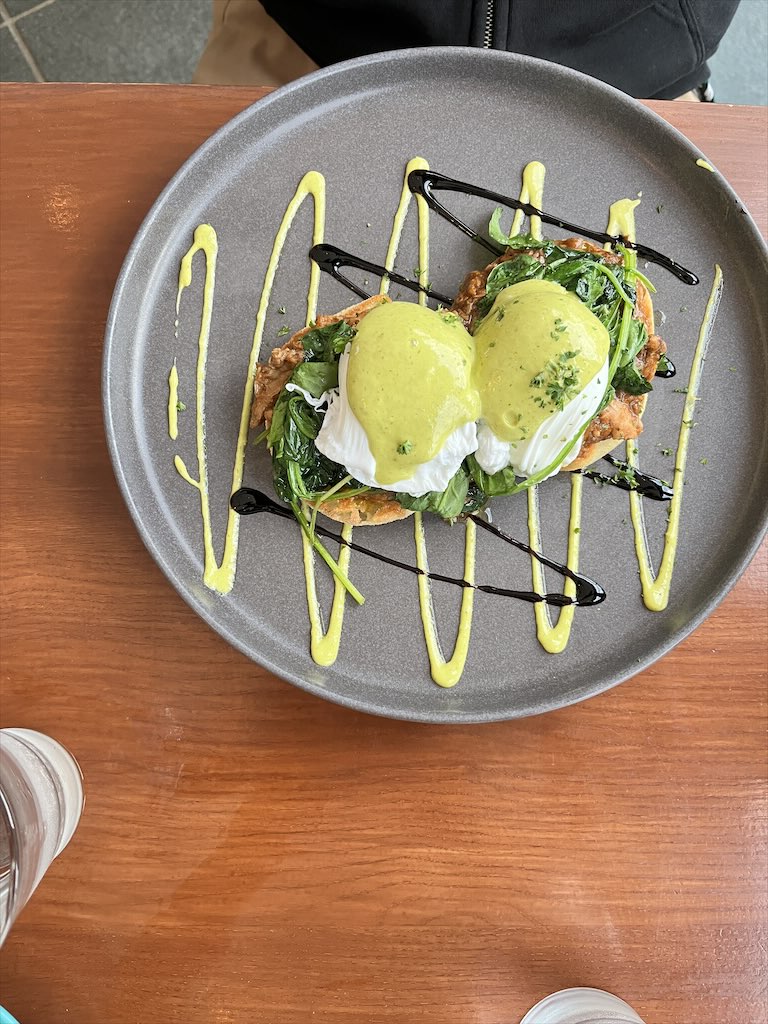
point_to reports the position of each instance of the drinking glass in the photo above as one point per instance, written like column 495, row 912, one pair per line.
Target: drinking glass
column 581, row 1006
column 41, row 799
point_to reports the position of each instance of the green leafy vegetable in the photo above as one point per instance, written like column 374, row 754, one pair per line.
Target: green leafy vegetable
column 511, row 241
column 325, row 344
column 316, row 378
column 460, row 497
column 519, row 268
column 631, row 381
column 493, row 484
column 301, row 472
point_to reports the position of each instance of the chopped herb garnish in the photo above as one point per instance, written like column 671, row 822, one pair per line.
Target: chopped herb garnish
column 627, row 474
column 281, row 310
column 680, row 391
column 660, row 207
column 559, row 379
column 683, row 309
column 405, row 448
column 500, row 315
column 732, row 369
column 283, row 331
column 181, row 407
column 577, row 529
column 704, row 461
column 666, row 451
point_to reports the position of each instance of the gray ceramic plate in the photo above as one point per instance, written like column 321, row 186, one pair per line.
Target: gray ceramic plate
column 478, row 116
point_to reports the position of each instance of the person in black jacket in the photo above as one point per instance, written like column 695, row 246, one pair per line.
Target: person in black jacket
column 651, row 49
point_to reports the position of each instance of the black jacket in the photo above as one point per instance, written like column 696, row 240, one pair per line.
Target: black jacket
column 648, row 48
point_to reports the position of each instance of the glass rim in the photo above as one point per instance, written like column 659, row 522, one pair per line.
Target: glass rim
column 9, row 822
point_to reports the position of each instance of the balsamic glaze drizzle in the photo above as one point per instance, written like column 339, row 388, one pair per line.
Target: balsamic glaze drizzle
column 424, row 183
column 330, row 259
column 248, row 501
column 670, row 371
column 652, row 487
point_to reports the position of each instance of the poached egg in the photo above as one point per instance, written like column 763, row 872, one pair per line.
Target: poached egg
column 541, row 368
column 404, row 417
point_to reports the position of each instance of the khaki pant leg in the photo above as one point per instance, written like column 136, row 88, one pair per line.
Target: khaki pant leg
column 247, row 47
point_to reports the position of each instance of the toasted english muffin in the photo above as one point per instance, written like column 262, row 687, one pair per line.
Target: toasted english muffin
column 374, row 508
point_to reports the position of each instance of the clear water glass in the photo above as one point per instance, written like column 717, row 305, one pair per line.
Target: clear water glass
column 41, row 800
column 581, row 1006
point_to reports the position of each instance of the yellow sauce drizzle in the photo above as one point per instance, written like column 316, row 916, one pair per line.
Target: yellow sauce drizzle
column 446, row 673
column 418, row 163
column 531, row 192
column 621, row 219
column 205, row 241
column 656, row 589
column 705, row 164
column 181, row 469
column 221, row 576
column 173, row 402
column 554, row 639
column 324, row 646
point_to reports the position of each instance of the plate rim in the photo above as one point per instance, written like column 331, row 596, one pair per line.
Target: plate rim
column 432, row 716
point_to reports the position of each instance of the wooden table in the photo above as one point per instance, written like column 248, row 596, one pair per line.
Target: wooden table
column 249, row 853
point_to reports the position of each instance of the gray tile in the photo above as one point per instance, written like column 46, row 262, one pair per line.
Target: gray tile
column 739, row 68
column 118, row 40
column 13, row 67
column 19, row 6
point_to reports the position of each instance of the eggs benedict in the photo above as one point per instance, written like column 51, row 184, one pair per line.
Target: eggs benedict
column 542, row 364
column 371, row 413
column 581, row 413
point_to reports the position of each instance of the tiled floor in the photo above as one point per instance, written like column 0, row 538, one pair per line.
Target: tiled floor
column 102, row 40
column 161, row 40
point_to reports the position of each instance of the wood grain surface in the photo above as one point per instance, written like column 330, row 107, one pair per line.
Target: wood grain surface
column 249, row 853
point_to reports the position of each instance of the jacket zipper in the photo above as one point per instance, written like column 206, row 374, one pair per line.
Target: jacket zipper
column 488, row 36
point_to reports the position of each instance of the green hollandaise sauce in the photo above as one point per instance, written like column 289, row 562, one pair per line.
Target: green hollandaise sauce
column 536, row 350
column 409, row 382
